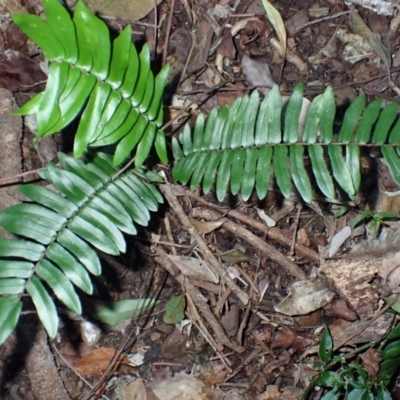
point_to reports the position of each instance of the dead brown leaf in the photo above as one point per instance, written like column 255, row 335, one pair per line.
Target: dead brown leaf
column 174, row 345
column 371, row 361
column 206, row 227
column 339, row 309
column 97, row 361
column 285, row 339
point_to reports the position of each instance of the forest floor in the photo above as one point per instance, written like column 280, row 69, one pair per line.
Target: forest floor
column 231, row 341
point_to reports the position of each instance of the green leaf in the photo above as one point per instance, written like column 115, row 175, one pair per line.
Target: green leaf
column 175, row 309
column 224, row 174
column 282, row 174
column 351, row 118
column 353, row 164
column 88, row 126
column 268, row 124
column 326, row 346
column 93, row 42
column 128, row 143
column 299, row 173
column 21, row 248
column 393, row 162
column 82, row 251
column 321, row 172
column 10, row 307
column 329, row 379
column 367, row 120
column 120, row 57
column 114, row 312
column 49, row 111
column 263, row 171
column 12, row 286
column 61, row 286
column 161, row 146
column 31, row 106
column 44, row 305
column 312, row 121
column 62, row 27
column 394, row 333
column 71, row 267
column 249, row 172
column 340, row 169
column 41, row 33
column 327, row 115
column 16, row 269
column 385, row 121
column 140, row 89
column 131, row 74
column 159, row 86
column 292, row 114
column 145, row 144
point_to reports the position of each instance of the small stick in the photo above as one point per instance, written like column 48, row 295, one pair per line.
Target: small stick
column 207, row 254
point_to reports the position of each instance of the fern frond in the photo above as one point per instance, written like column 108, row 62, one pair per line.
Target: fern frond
column 91, row 209
column 240, row 146
column 112, row 84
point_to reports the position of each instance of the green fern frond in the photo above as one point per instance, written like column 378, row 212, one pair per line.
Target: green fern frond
column 92, row 209
column 112, row 84
column 240, row 146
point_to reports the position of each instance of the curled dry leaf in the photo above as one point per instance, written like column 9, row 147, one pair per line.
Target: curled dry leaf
column 338, row 240
column 371, row 361
column 339, row 309
column 305, row 297
column 206, row 227
column 235, row 256
column 286, row 339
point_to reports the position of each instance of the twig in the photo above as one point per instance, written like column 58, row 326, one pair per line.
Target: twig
column 200, row 302
column 207, row 254
column 272, row 233
column 165, row 49
column 317, row 21
column 255, row 241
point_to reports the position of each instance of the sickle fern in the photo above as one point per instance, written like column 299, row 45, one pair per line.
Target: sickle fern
column 120, row 101
column 93, row 209
column 113, row 85
column 241, row 145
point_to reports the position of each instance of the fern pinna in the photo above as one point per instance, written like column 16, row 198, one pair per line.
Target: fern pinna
column 93, row 209
column 113, row 85
column 241, row 145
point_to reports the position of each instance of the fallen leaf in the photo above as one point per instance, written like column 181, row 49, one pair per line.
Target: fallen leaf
column 277, row 22
column 135, row 390
column 305, row 297
column 371, row 361
column 175, row 309
column 338, row 240
column 123, row 9
column 174, row 345
column 258, row 74
column 234, row 256
column 97, row 361
column 194, row 268
column 206, row 227
column 286, row 339
column 339, row 309
column 230, row 320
